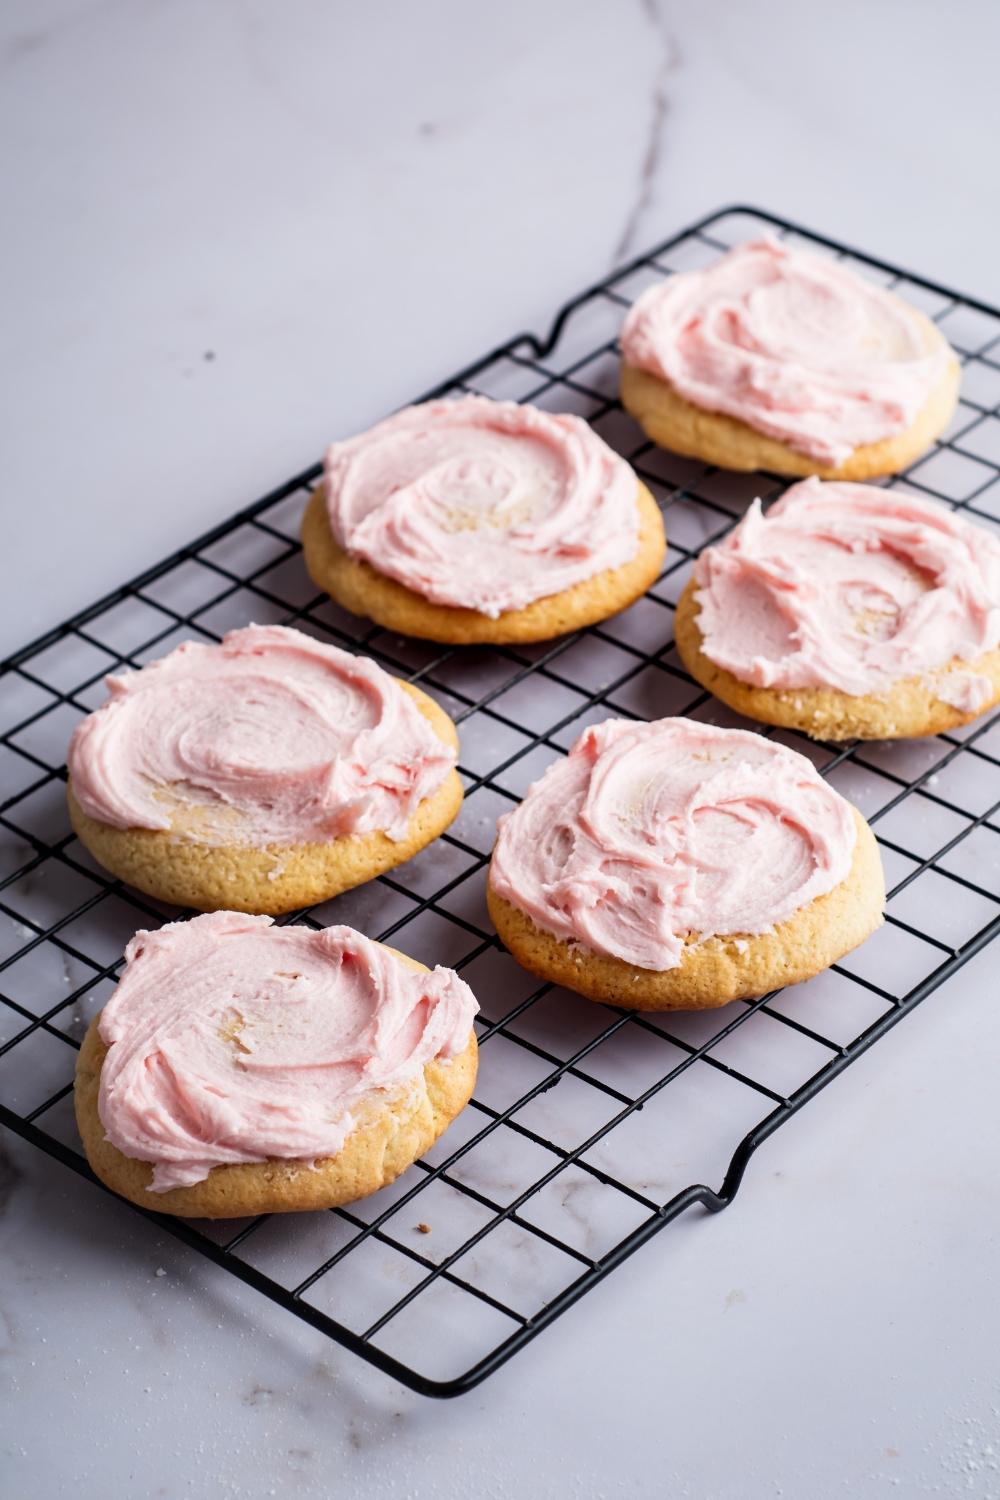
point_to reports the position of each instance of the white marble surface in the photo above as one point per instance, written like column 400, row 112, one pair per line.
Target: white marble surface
column 341, row 205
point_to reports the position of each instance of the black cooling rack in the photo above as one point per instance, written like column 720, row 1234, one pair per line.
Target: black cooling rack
column 566, row 1160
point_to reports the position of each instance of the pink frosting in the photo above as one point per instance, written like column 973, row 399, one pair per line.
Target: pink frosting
column 851, row 587
column 232, row 1040
column 482, row 504
column 796, row 346
column 273, row 737
column 647, row 833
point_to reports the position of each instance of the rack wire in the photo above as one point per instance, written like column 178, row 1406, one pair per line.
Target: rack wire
column 592, row 1128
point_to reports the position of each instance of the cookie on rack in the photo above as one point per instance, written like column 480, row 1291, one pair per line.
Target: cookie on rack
column 777, row 359
column 677, row 866
column 264, row 774
column 241, row 1068
column 848, row 612
column 478, row 521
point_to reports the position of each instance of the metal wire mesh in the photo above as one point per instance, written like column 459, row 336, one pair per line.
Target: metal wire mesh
column 567, row 1159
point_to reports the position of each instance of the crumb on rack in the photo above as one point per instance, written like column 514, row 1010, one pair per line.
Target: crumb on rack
column 423, row 1229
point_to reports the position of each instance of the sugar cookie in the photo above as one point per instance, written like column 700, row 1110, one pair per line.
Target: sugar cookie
column 265, row 774
column 848, row 612
column 677, row 866
column 780, row 360
column 241, row 1068
column 477, row 521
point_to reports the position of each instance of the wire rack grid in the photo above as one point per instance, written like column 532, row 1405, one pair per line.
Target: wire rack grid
column 591, row 1128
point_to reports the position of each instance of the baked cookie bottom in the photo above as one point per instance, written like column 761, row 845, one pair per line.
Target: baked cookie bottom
column 719, row 969
column 676, row 424
column 172, row 866
column 363, row 590
column 392, row 1131
column 908, row 710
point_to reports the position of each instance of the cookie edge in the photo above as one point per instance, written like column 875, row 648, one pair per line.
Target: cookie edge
column 275, row 879
column 713, row 972
column 678, row 425
column 391, row 1135
column 358, row 587
column 909, row 710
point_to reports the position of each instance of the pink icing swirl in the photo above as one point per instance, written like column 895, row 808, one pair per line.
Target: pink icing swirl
column 796, row 346
column 647, row 833
column 485, row 505
column 274, row 737
column 232, row 1040
column 851, row 587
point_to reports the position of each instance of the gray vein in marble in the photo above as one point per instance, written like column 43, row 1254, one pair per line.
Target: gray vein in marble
column 22, row 44
column 10, row 1177
column 576, row 1198
column 659, row 111
column 30, row 40
column 288, row 100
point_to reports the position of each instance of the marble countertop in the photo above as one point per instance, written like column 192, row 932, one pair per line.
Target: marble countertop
column 235, row 229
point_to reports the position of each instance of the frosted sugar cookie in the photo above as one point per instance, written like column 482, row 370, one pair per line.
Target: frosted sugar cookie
column 776, row 359
column 241, row 1068
column 677, row 866
column 848, row 612
column 481, row 521
column 264, row 774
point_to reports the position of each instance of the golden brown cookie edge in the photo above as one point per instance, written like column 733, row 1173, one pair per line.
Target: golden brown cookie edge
column 360, row 588
column 278, row 878
column 909, row 710
column 714, row 972
column 679, row 426
column 391, row 1135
